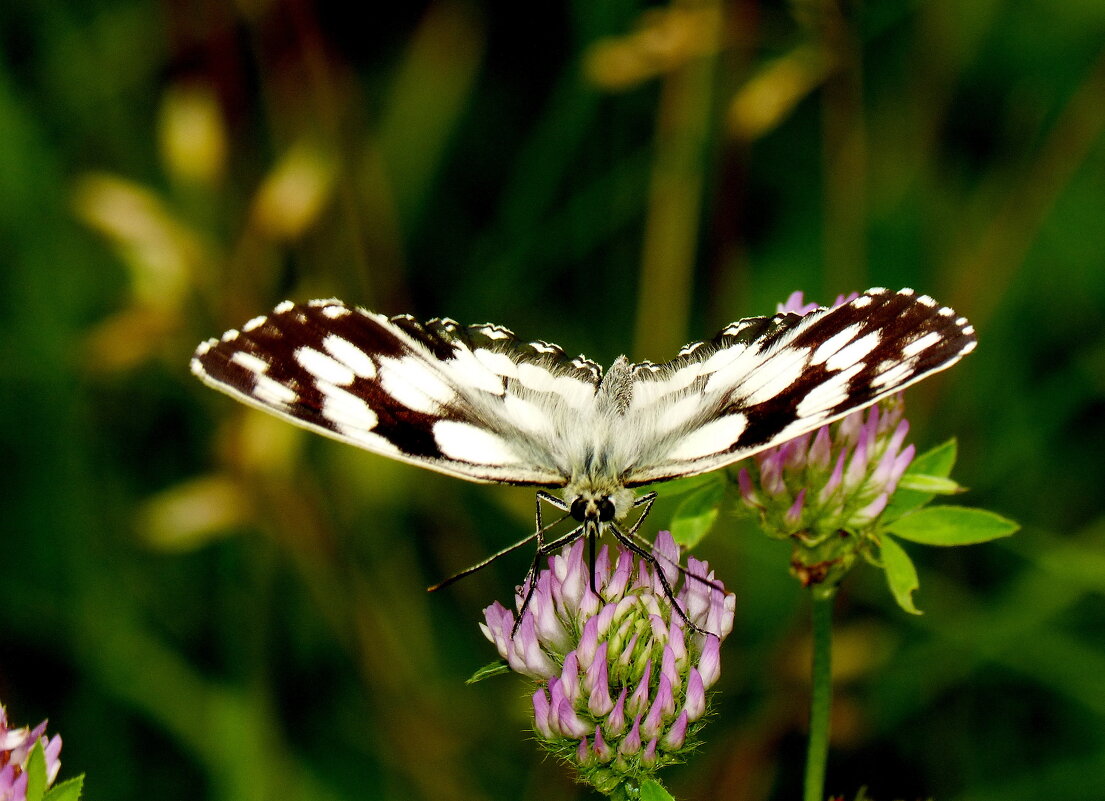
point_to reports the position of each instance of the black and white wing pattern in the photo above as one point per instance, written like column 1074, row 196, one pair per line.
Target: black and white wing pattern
column 474, row 402
column 469, row 401
column 765, row 380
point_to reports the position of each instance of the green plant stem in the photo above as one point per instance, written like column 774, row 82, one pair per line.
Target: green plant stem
column 821, row 699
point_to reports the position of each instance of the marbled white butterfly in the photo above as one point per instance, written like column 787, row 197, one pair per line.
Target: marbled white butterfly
column 474, row 402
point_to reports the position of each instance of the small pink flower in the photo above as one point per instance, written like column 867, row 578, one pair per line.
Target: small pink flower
column 15, row 749
column 826, row 490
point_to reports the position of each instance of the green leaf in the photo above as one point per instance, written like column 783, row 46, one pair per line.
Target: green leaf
column 952, row 525
column 652, row 790
column 681, row 486
column 495, row 668
column 696, row 514
column 901, row 575
column 69, row 790
column 935, row 485
column 36, row 773
column 935, row 463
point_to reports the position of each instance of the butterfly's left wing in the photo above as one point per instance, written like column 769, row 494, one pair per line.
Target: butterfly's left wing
column 472, row 402
column 765, row 380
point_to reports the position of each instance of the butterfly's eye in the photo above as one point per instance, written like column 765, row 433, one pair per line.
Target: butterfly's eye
column 606, row 510
column 579, row 509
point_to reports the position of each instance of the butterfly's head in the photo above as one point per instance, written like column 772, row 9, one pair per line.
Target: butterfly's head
column 599, row 505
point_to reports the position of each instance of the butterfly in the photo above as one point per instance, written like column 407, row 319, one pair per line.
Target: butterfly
column 477, row 403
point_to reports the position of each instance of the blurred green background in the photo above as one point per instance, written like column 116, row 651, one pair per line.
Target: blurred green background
column 208, row 603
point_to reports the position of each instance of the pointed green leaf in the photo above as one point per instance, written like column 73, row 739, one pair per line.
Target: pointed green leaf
column 952, row 525
column 936, row 463
column 36, row 773
column 69, row 790
column 936, row 485
column 652, row 790
column 901, row 575
column 495, row 668
column 696, row 514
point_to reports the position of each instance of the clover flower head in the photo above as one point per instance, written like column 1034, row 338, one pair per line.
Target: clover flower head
column 621, row 679
column 826, row 489
column 15, row 750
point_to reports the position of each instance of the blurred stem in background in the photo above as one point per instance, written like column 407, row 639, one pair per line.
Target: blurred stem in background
column 684, row 131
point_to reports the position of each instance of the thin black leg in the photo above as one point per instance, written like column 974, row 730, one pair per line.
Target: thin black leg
column 645, row 554
column 530, row 581
column 647, row 500
column 538, row 533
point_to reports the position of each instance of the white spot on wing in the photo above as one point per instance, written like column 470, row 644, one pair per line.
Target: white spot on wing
column 349, row 354
column 829, row 393
column 850, row 354
column 730, row 367
column 368, row 440
column 535, row 377
column 577, row 394
column 334, row 312
column 921, row 344
column 680, row 413
column 411, row 384
column 800, row 426
column 324, row 368
column 524, row 415
column 774, row 377
column 716, row 436
column 272, row 392
column 250, row 362
column 863, row 301
column 835, row 343
column 468, row 443
column 496, row 362
column 648, row 392
column 722, row 359
column 470, row 371
column 284, row 306
column 346, row 410
column 894, row 374
column 254, row 323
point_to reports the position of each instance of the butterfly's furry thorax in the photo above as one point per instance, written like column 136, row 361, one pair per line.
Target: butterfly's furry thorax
column 615, row 391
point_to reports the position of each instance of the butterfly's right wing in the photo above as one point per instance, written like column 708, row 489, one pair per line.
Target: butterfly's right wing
column 765, row 380
column 472, row 402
